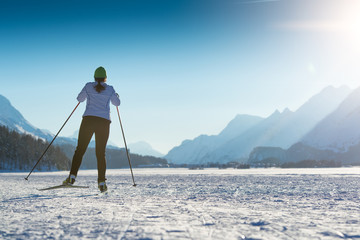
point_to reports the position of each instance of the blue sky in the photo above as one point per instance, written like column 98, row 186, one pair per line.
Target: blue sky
column 181, row 67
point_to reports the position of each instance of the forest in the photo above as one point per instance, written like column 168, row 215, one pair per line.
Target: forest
column 20, row 152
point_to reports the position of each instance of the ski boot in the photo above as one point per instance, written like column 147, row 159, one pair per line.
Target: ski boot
column 69, row 180
column 102, row 187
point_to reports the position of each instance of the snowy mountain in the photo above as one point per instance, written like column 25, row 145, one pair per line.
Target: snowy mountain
column 340, row 130
column 144, row 148
column 191, row 151
column 280, row 129
column 259, row 135
column 12, row 118
column 336, row 137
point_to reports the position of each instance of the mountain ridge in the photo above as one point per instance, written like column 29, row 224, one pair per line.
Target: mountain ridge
column 13, row 119
column 144, row 148
column 280, row 129
column 192, row 150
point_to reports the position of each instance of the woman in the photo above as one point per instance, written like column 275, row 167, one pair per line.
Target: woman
column 96, row 119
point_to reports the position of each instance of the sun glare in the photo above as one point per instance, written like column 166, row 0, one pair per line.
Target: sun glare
column 350, row 22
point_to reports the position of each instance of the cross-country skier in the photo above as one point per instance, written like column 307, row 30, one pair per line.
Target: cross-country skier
column 96, row 119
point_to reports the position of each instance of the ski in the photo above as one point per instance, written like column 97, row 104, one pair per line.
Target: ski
column 102, row 193
column 62, row 186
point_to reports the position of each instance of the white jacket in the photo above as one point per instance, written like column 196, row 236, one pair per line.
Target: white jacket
column 98, row 104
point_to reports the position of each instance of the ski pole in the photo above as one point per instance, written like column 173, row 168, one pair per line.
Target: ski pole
column 127, row 152
column 52, row 142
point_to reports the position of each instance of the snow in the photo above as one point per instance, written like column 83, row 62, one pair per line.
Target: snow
column 23, row 131
column 185, row 204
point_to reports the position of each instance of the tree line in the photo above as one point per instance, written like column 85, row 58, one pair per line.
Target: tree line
column 21, row 152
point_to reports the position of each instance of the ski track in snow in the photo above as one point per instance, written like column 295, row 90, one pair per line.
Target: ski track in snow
column 184, row 204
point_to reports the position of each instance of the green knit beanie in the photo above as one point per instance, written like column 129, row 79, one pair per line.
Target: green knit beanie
column 100, row 73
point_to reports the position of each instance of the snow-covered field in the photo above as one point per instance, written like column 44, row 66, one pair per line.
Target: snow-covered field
column 185, row 204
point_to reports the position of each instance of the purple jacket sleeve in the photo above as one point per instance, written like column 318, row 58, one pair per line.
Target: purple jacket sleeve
column 115, row 100
column 82, row 95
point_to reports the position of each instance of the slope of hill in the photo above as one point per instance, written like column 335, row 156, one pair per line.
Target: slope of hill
column 12, row 118
column 340, row 130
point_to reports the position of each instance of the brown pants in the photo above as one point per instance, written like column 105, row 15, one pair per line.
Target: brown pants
column 89, row 126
